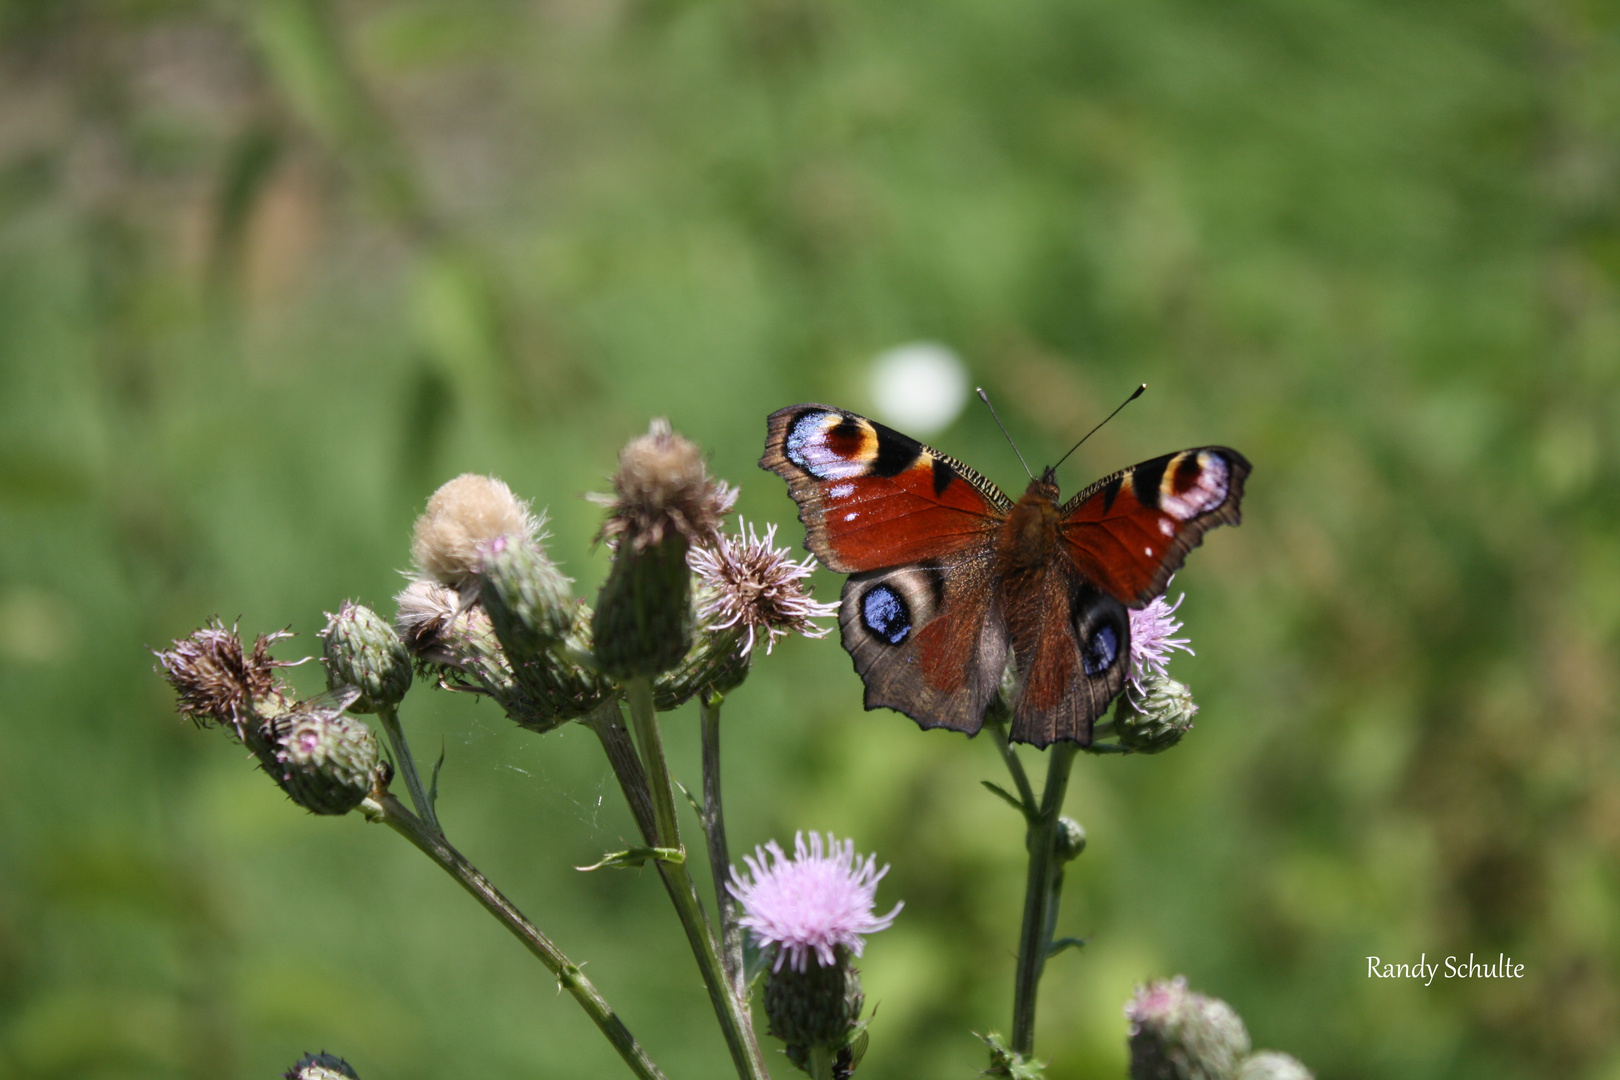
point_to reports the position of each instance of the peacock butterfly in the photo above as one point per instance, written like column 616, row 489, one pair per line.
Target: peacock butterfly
column 946, row 572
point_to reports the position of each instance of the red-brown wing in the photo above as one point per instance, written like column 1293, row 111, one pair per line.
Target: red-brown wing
column 927, row 639
column 872, row 498
column 1072, row 643
column 1129, row 532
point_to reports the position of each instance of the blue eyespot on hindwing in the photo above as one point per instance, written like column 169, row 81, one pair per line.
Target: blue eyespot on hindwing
column 885, row 613
column 1099, row 653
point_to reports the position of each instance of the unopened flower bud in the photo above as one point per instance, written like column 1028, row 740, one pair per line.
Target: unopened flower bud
column 527, row 597
column 1070, row 839
column 360, row 649
column 1179, row 1035
column 321, row 1066
column 1270, row 1065
column 1156, row 718
column 461, row 517
column 325, row 761
column 663, row 501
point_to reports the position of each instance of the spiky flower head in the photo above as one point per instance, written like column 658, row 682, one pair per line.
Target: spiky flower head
column 1176, row 1034
column 321, row 1066
column 462, row 516
column 361, row 650
column 1270, row 1065
column 662, row 487
column 1152, row 638
column 752, row 584
column 218, row 680
column 1155, row 719
column 814, row 902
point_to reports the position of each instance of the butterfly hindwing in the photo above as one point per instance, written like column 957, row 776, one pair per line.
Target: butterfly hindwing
column 927, row 640
column 1072, row 644
column 1129, row 532
column 872, row 498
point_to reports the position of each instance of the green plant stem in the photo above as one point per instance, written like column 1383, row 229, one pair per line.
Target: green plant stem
column 998, row 731
column 608, row 723
column 1041, row 894
column 735, row 1022
column 407, row 767
column 714, row 831
column 821, row 1063
column 388, row 810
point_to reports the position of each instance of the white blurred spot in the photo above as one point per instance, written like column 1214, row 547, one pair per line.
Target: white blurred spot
column 919, row 387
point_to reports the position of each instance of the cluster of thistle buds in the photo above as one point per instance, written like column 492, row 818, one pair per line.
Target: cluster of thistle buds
column 1176, row 1034
column 683, row 611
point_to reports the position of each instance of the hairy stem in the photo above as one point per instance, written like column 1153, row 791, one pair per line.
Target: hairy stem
column 431, row 842
column 735, row 1022
column 1041, row 895
column 407, row 767
column 821, row 1063
column 714, row 830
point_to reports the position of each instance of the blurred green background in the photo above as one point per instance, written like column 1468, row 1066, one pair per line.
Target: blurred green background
column 270, row 272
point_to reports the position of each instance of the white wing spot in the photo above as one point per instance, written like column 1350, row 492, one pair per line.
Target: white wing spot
column 1148, row 552
column 841, row 491
column 852, row 515
column 1167, row 526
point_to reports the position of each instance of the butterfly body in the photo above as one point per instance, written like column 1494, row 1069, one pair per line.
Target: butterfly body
column 949, row 576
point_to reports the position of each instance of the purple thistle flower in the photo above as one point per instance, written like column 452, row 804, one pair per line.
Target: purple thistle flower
column 757, row 586
column 1151, row 641
column 819, row 899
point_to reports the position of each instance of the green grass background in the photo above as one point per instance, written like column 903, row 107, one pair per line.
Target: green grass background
column 270, row 272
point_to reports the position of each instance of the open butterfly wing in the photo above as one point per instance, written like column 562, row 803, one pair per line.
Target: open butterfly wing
column 1127, row 533
column 916, row 529
column 871, row 498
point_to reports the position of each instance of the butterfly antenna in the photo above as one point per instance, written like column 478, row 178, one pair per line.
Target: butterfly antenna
column 984, row 397
column 1134, row 395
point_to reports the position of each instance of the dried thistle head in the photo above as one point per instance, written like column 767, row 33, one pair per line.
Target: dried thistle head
column 426, row 613
column 663, row 487
column 217, row 678
column 756, row 586
column 462, row 516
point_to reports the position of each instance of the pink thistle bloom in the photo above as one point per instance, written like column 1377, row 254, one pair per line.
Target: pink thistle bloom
column 1151, row 640
column 757, row 586
column 819, row 899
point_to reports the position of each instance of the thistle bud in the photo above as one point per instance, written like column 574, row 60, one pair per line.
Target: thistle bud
column 321, row 1066
column 528, row 600
column 1070, row 839
column 360, row 649
column 663, row 501
column 1155, row 719
column 1179, row 1035
column 819, row 1006
column 1270, row 1065
column 325, row 761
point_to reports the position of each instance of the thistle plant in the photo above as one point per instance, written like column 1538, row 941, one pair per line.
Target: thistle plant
column 685, row 611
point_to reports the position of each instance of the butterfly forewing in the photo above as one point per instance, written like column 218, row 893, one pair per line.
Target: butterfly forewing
column 1127, row 533
column 872, row 498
